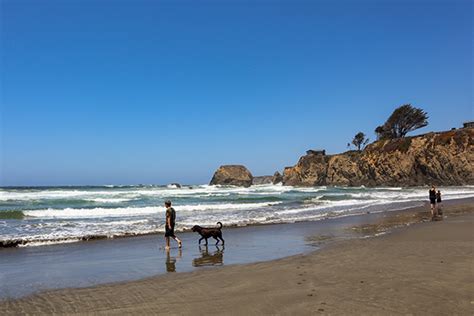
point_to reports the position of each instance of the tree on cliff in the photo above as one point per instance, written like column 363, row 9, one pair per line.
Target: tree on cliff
column 404, row 119
column 360, row 140
column 383, row 132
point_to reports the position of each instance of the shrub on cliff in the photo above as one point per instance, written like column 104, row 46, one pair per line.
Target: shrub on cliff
column 404, row 119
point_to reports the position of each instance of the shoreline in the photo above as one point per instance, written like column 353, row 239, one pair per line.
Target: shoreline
column 147, row 286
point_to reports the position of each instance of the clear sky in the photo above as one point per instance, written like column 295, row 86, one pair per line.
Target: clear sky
column 128, row 92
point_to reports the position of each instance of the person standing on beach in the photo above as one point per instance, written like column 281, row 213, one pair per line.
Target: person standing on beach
column 438, row 203
column 169, row 225
column 432, row 193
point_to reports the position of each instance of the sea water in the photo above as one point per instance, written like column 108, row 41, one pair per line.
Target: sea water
column 47, row 215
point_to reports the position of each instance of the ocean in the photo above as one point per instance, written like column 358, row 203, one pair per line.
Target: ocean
column 34, row 216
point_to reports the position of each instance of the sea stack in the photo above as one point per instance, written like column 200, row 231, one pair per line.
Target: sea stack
column 237, row 175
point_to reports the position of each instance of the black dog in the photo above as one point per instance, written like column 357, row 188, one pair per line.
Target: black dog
column 206, row 233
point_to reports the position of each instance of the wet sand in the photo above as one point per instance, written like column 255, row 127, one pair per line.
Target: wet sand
column 85, row 264
column 425, row 269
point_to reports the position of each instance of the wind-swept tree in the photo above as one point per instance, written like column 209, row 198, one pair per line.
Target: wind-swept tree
column 360, row 141
column 383, row 132
column 404, row 119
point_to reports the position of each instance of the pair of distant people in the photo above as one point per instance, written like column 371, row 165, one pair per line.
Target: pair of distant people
column 435, row 201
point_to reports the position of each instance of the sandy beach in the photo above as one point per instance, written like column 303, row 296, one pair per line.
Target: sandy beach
column 424, row 269
column 236, row 157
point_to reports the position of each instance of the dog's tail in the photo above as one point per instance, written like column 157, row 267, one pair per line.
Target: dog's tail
column 220, row 225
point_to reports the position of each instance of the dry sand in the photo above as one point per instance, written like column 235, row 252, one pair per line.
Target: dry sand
column 427, row 269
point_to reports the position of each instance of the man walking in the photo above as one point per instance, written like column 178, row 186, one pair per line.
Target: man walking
column 169, row 225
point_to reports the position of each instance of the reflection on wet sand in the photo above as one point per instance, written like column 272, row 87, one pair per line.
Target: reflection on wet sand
column 215, row 258
column 171, row 260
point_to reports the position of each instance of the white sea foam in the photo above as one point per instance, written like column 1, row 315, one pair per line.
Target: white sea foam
column 116, row 196
column 59, row 194
column 105, row 200
column 48, row 242
column 137, row 211
column 158, row 192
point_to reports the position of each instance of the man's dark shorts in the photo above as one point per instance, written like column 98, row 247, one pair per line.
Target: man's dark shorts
column 432, row 201
column 169, row 232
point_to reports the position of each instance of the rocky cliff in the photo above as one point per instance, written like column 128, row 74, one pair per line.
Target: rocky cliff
column 445, row 158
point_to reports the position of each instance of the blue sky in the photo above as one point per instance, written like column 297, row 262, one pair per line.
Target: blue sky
column 127, row 92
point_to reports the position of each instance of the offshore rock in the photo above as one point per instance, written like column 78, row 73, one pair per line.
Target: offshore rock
column 237, row 175
column 277, row 178
column 262, row 180
column 445, row 158
column 11, row 243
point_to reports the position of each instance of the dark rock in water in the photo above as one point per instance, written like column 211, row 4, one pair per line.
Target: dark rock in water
column 175, row 185
column 236, row 175
column 445, row 158
column 262, row 180
column 11, row 243
column 93, row 237
column 277, row 178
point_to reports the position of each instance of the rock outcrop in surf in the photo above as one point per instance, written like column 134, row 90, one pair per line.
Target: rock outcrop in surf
column 237, row 175
column 262, row 180
column 275, row 179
